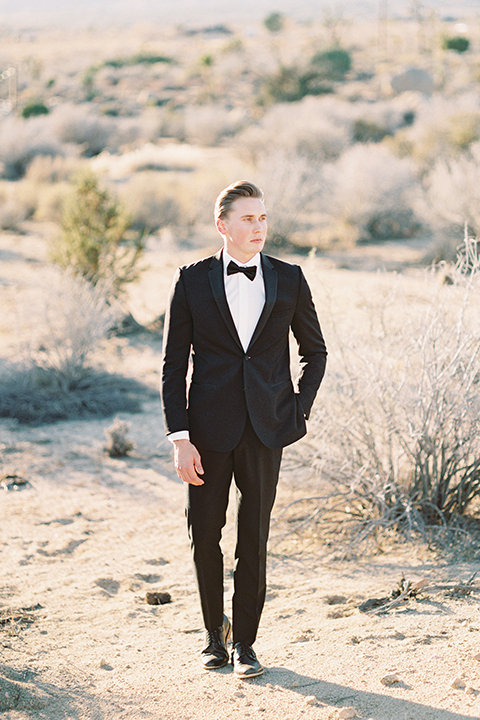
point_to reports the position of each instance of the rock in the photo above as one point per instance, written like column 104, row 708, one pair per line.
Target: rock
column 471, row 691
column 335, row 599
column 390, row 680
column 347, row 713
column 458, row 684
column 413, row 80
column 158, row 598
column 310, row 700
column 294, row 684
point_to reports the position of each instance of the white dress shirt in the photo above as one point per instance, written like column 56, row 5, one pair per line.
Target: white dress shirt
column 245, row 299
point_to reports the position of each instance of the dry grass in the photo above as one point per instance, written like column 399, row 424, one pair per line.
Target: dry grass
column 395, row 437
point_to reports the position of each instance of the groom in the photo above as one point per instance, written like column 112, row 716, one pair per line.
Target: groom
column 230, row 315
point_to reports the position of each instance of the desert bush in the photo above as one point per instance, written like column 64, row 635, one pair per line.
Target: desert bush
column 97, row 240
column 458, row 43
column 451, row 196
column 14, row 207
column 151, row 206
column 48, row 169
column 290, row 183
column 291, row 84
column 61, row 323
column 34, row 109
column 118, row 442
column 210, row 124
column 274, row 22
column 317, row 129
column 369, row 188
column 59, row 326
column 443, row 128
column 21, row 141
column 91, row 132
column 140, row 58
column 332, row 64
column 398, row 432
column 50, row 200
column 32, row 395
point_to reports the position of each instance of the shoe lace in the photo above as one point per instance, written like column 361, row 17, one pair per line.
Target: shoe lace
column 213, row 636
column 244, row 649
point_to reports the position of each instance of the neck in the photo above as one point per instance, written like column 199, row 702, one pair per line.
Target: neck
column 243, row 258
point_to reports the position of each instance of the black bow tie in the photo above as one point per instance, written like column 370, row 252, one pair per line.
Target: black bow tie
column 233, row 268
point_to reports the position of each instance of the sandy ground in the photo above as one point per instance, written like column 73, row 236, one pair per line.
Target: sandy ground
column 89, row 535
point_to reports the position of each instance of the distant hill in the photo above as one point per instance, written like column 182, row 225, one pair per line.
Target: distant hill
column 31, row 13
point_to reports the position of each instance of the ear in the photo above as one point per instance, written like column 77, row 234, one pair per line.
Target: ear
column 221, row 226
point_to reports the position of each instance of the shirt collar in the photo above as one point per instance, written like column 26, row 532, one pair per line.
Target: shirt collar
column 253, row 262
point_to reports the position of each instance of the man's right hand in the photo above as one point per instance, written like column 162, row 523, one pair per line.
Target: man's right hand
column 188, row 462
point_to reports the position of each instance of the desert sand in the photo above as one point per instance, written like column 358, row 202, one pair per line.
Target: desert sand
column 87, row 536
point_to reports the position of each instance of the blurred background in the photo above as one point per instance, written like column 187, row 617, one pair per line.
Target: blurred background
column 361, row 120
column 119, row 125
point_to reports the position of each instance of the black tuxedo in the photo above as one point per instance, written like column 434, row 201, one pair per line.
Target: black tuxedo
column 241, row 408
column 228, row 383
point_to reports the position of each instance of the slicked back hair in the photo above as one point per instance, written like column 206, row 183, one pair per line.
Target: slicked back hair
column 239, row 189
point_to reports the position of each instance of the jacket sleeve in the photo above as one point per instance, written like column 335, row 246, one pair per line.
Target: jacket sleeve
column 311, row 346
column 177, row 342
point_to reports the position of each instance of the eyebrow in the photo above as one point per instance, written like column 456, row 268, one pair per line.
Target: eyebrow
column 250, row 216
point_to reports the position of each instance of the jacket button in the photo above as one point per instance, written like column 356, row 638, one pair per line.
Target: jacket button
column 247, row 357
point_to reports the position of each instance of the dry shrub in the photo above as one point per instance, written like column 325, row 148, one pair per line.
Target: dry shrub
column 50, row 201
column 83, row 127
column 118, row 444
column 291, row 183
column 443, row 128
column 452, row 196
column 23, row 140
column 12, row 210
column 314, row 128
column 369, row 189
column 47, row 169
column 151, row 205
column 60, row 325
column 210, row 124
column 397, row 434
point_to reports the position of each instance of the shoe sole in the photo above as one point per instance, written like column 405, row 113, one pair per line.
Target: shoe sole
column 241, row 676
column 215, row 667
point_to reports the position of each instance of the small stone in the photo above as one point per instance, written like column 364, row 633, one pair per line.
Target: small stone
column 158, row 598
column 301, row 639
column 238, row 694
column 390, row 680
column 471, row 691
column 399, row 635
column 335, row 599
column 476, row 657
column 347, row 713
column 458, row 684
column 310, row 700
column 294, row 684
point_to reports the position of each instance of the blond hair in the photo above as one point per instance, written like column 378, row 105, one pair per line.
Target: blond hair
column 239, row 189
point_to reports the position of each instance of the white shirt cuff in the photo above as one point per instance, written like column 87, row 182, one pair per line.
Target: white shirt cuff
column 180, row 435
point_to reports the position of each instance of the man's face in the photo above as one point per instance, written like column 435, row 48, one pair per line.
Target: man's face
column 244, row 229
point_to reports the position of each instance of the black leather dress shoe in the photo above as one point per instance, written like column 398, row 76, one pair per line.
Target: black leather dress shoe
column 244, row 661
column 215, row 654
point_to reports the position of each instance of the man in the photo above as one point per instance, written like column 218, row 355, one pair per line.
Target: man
column 231, row 314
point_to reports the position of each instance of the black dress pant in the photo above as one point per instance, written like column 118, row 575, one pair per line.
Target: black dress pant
column 255, row 469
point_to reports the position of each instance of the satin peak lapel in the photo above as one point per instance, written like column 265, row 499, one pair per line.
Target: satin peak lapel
column 215, row 276
column 270, row 278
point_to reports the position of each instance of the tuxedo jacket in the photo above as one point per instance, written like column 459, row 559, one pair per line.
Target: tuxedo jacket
column 225, row 383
